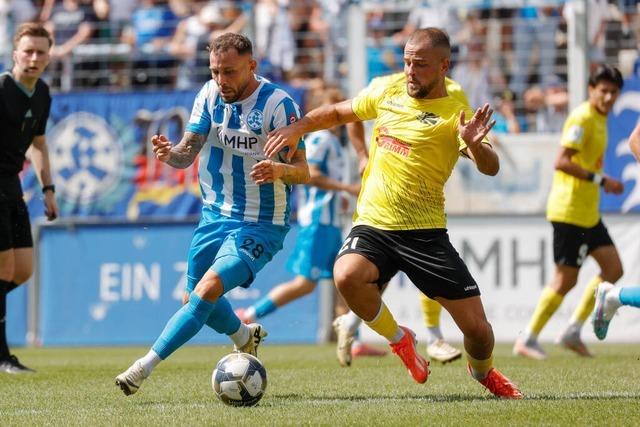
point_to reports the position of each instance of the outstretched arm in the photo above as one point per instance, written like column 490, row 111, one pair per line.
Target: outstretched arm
column 323, row 117
column 183, row 154
column 473, row 133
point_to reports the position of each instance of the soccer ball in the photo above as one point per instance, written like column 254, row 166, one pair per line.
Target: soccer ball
column 239, row 379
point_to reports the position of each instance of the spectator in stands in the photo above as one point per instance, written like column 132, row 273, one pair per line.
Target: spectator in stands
column 534, row 26
column 472, row 71
column 547, row 106
column 193, row 36
column 507, row 121
column 151, row 29
column 431, row 13
column 12, row 14
column 275, row 45
column 71, row 24
column 120, row 14
column 596, row 26
column 384, row 55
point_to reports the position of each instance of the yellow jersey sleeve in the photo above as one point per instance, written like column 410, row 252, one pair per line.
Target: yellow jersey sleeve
column 365, row 104
column 575, row 131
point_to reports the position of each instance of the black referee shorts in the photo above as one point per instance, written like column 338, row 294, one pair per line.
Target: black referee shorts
column 426, row 256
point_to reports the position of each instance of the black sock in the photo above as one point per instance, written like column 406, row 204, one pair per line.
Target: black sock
column 4, row 348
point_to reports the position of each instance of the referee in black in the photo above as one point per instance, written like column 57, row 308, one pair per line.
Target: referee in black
column 24, row 110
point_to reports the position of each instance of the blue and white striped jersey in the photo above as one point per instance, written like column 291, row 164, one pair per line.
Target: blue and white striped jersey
column 315, row 205
column 237, row 135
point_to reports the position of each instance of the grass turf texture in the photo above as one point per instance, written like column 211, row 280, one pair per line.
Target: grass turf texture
column 75, row 386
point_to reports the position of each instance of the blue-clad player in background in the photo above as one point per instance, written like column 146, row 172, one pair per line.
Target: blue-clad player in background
column 245, row 216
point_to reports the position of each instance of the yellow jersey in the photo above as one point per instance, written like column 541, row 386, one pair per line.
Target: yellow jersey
column 414, row 147
column 573, row 200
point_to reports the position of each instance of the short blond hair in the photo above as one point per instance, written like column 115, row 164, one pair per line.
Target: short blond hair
column 31, row 29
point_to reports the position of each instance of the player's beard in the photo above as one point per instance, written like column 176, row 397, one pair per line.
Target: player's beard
column 237, row 93
column 422, row 91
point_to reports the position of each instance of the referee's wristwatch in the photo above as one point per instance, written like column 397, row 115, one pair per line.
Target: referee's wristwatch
column 50, row 187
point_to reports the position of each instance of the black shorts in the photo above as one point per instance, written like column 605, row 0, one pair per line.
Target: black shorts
column 572, row 244
column 15, row 227
column 426, row 256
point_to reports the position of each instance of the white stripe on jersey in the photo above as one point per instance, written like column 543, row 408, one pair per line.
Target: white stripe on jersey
column 237, row 134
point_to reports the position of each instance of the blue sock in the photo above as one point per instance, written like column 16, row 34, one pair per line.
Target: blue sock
column 264, row 307
column 183, row 325
column 222, row 319
column 630, row 296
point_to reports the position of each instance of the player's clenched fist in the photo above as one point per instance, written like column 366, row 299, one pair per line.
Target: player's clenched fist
column 161, row 147
column 266, row 171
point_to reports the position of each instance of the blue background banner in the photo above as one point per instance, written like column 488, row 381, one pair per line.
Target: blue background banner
column 119, row 284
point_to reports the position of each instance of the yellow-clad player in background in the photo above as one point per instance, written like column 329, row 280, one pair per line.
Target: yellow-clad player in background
column 573, row 211
column 347, row 325
column 400, row 222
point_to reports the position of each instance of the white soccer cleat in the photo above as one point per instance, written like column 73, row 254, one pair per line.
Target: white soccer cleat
column 256, row 335
column 603, row 311
column 530, row 349
column 130, row 380
column 345, row 341
column 443, row 352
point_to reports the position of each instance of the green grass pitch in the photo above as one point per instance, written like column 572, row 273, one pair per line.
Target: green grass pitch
column 75, row 386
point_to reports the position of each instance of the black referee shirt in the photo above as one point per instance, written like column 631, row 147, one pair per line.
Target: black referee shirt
column 23, row 116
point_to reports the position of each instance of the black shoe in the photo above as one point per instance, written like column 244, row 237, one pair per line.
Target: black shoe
column 11, row 365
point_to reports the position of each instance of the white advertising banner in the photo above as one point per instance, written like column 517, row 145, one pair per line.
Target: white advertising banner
column 511, row 258
column 521, row 187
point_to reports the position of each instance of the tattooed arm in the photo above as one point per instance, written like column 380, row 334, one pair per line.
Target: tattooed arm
column 183, row 154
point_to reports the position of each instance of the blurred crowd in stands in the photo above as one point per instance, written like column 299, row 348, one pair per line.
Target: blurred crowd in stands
column 514, row 57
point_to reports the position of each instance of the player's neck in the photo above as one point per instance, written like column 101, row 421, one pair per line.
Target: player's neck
column 28, row 82
column 248, row 91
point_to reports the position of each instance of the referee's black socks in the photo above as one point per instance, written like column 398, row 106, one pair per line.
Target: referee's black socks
column 5, row 287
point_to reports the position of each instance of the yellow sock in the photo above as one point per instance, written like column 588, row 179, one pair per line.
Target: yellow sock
column 547, row 305
column 385, row 324
column 587, row 302
column 480, row 368
column 430, row 311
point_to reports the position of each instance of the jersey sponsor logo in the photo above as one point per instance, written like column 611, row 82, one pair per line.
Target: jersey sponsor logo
column 292, row 118
column 86, row 158
column 428, row 118
column 470, row 287
column 393, row 144
column 393, row 103
column 574, row 133
column 255, row 119
column 243, row 142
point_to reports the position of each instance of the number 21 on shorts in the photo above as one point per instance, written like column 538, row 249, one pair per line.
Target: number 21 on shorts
column 349, row 243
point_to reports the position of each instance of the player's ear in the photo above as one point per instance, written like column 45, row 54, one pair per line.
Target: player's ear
column 253, row 65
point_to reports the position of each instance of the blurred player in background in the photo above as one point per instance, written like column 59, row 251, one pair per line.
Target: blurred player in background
column 245, row 216
column 319, row 206
column 399, row 223
column 609, row 298
column 346, row 326
column 572, row 209
column 24, row 111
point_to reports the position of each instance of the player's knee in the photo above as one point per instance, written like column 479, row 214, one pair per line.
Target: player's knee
column 210, row 287
column 479, row 331
column 343, row 275
column 22, row 275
